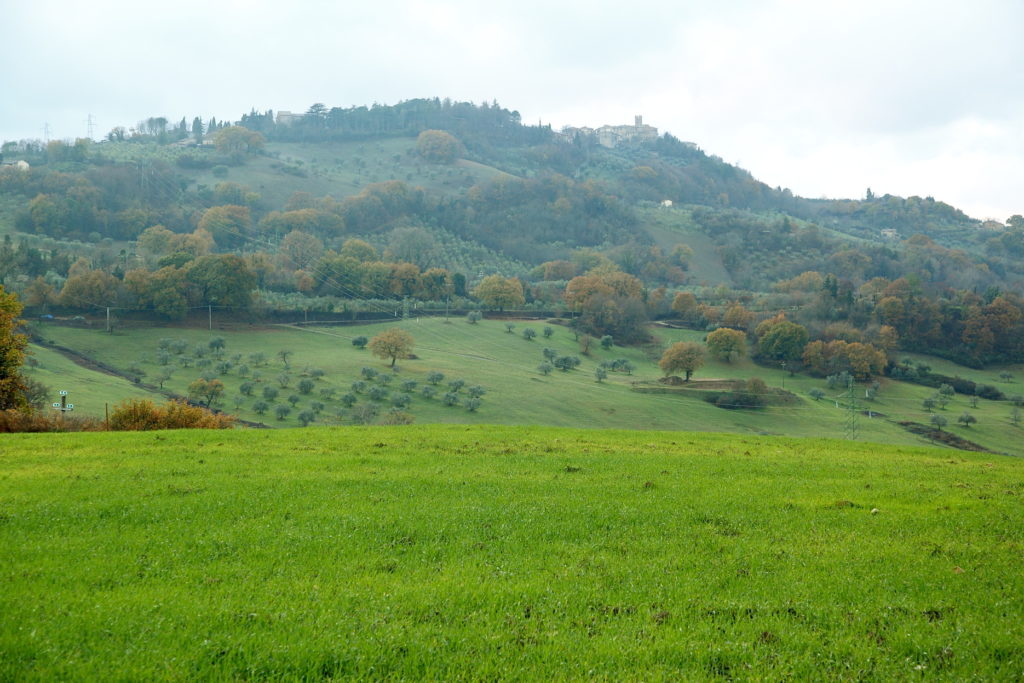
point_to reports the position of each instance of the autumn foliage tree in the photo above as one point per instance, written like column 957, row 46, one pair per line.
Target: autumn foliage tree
column 393, row 344
column 12, row 353
column 237, row 141
column 229, row 224
column 582, row 289
column 621, row 317
column 737, row 316
column 301, row 249
column 684, row 304
column 162, row 291
column 556, row 270
column 39, row 293
column 206, row 391
column 780, row 339
column 495, row 291
column 609, row 303
column 860, row 360
column 222, row 279
column 438, row 147
column 995, row 330
column 687, row 357
column 85, row 287
column 727, row 344
column 435, row 284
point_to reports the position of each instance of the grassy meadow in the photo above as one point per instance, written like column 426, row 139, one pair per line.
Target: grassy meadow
column 338, row 169
column 98, row 389
column 454, row 551
column 505, row 365
column 671, row 227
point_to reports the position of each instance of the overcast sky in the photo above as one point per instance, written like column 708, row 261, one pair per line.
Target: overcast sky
column 826, row 98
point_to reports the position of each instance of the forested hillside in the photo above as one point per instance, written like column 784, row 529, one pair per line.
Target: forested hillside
column 448, row 204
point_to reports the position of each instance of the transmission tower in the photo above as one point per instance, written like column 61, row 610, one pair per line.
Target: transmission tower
column 851, row 412
column 90, row 126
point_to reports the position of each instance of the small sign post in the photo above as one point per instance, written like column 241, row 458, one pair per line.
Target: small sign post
column 64, row 406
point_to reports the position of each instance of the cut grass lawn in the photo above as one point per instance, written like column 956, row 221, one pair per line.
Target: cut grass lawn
column 485, row 552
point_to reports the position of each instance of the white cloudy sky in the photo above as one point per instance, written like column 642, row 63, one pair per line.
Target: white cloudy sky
column 824, row 97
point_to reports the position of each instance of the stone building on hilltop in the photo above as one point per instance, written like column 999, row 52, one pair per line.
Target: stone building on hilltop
column 287, row 118
column 612, row 136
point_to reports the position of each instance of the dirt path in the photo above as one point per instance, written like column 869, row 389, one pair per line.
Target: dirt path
column 88, row 363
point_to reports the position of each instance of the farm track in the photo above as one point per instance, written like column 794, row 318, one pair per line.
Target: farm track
column 89, row 363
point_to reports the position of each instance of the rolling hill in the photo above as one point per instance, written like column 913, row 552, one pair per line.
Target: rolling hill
column 505, row 365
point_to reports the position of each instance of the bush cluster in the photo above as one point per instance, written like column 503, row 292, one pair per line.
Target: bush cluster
column 743, row 396
column 136, row 415
column 20, row 421
column 921, row 375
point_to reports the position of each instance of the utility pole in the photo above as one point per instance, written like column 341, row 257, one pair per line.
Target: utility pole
column 108, row 319
column 851, row 412
column 447, row 300
column 209, row 311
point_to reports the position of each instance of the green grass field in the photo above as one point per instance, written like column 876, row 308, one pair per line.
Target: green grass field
column 97, row 388
column 506, row 366
column 458, row 552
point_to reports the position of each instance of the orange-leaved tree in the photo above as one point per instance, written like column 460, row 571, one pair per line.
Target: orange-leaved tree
column 12, row 354
column 393, row 344
column 685, row 356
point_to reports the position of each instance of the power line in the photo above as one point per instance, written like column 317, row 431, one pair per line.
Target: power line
column 851, row 412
